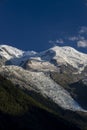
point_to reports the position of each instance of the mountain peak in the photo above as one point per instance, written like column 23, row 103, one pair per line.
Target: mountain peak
column 9, row 52
column 65, row 48
column 71, row 56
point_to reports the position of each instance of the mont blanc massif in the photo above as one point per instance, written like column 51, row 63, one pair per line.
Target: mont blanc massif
column 43, row 91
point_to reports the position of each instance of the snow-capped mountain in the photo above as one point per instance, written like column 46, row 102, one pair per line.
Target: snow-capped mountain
column 32, row 71
column 53, row 57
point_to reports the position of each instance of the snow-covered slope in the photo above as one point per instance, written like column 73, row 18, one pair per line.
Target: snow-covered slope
column 10, row 52
column 41, row 83
column 66, row 55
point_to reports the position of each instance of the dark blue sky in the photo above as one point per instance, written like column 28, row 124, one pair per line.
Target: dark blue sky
column 39, row 24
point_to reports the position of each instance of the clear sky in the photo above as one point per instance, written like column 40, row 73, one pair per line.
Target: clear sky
column 40, row 24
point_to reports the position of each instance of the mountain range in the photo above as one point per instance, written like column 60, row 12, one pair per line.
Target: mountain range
column 52, row 82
